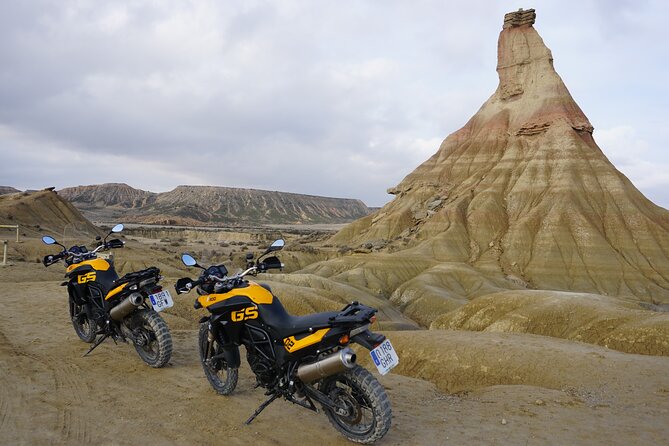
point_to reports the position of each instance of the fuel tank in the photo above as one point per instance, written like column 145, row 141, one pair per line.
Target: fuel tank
column 252, row 292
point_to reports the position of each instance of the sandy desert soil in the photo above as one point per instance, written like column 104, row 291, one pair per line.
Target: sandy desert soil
column 511, row 388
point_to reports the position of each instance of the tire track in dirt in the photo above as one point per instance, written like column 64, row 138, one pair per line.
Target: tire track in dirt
column 72, row 392
column 6, row 405
column 49, row 390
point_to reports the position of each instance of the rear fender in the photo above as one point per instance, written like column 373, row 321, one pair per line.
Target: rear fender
column 368, row 339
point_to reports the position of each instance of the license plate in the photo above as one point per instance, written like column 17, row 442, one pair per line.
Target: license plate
column 384, row 357
column 162, row 300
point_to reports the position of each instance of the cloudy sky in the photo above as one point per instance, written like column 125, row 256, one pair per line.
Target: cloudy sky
column 336, row 98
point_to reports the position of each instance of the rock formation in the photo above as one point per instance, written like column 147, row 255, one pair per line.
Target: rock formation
column 523, row 192
column 44, row 212
column 209, row 205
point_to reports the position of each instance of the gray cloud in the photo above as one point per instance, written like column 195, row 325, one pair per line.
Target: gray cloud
column 330, row 98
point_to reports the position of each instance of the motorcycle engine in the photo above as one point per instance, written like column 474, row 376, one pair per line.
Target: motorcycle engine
column 263, row 369
column 96, row 300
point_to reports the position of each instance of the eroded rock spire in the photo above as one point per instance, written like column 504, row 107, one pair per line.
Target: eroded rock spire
column 523, row 190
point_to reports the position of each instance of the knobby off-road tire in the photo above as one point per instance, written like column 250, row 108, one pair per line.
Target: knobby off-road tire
column 221, row 377
column 157, row 348
column 83, row 326
column 368, row 413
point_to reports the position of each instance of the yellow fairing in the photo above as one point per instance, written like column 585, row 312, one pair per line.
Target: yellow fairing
column 116, row 290
column 96, row 264
column 293, row 344
column 255, row 292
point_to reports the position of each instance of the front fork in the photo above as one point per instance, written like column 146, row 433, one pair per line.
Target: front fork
column 230, row 351
column 208, row 352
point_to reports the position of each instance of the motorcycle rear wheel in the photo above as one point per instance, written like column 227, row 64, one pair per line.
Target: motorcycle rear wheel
column 221, row 377
column 83, row 326
column 363, row 413
column 154, row 344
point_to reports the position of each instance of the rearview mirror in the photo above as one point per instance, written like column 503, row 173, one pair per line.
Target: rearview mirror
column 48, row 240
column 188, row 260
column 276, row 245
column 118, row 228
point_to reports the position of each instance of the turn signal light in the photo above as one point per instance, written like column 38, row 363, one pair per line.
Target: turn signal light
column 372, row 319
column 344, row 339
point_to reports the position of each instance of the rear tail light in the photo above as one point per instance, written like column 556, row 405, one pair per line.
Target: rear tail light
column 157, row 289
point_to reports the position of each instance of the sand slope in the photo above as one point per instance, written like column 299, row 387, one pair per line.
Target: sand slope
column 548, row 391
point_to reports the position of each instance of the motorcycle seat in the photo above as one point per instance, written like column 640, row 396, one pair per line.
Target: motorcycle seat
column 285, row 324
column 137, row 276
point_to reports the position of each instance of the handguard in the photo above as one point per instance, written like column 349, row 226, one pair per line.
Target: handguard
column 115, row 243
column 183, row 285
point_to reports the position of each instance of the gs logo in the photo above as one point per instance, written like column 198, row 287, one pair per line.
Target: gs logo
column 288, row 343
column 88, row 277
column 245, row 314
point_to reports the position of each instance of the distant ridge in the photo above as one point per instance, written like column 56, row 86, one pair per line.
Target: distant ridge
column 8, row 190
column 210, row 205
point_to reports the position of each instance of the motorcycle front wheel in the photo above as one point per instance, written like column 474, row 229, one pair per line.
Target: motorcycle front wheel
column 362, row 413
column 153, row 341
column 83, row 326
column 221, row 377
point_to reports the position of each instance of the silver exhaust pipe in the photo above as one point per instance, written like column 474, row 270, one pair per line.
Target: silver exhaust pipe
column 127, row 306
column 330, row 365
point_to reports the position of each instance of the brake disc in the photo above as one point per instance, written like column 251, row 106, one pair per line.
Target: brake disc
column 348, row 409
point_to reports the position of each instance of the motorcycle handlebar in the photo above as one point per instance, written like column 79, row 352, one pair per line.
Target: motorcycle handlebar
column 251, row 270
column 52, row 258
column 184, row 285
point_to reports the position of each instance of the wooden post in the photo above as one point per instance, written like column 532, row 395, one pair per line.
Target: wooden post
column 12, row 227
column 4, row 252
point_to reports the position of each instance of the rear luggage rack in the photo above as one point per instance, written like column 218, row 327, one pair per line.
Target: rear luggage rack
column 139, row 275
column 353, row 313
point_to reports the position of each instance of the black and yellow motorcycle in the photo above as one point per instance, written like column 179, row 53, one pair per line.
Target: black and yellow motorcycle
column 304, row 359
column 104, row 305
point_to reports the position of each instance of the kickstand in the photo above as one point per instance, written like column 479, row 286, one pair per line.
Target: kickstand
column 98, row 342
column 261, row 408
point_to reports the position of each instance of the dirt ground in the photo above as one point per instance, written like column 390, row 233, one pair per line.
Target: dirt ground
column 50, row 394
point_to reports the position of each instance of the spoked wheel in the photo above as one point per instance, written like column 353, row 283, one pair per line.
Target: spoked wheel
column 362, row 412
column 152, row 338
column 83, row 326
column 221, row 377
